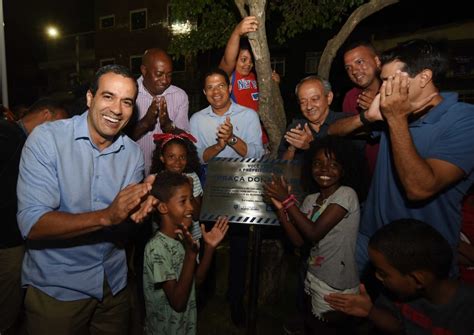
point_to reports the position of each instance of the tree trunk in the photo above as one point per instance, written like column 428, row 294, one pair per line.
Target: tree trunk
column 333, row 45
column 270, row 108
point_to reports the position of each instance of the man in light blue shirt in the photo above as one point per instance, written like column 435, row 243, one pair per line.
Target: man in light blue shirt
column 225, row 129
column 79, row 180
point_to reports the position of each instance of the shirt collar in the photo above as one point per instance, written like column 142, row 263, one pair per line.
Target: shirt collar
column 230, row 111
column 435, row 114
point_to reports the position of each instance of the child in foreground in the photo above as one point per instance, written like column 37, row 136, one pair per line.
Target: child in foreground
column 177, row 153
column 170, row 267
column 412, row 260
column 329, row 220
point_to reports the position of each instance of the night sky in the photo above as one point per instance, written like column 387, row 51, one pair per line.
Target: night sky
column 25, row 22
column 25, row 38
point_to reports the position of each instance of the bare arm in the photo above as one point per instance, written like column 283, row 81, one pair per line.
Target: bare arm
column 212, row 151
column 315, row 231
column 211, row 241
column 353, row 124
column 278, row 190
column 290, row 230
column 177, row 291
column 361, row 305
column 421, row 178
column 345, row 126
column 248, row 24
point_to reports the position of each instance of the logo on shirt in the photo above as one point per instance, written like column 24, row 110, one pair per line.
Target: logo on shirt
column 245, row 84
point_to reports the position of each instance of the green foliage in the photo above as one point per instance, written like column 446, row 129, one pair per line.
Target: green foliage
column 216, row 19
column 303, row 15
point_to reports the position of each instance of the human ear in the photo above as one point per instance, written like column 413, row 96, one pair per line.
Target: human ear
column 143, row 69
column 419, row 279
column 425, row 77
column 89, row 97
column 378, row 62
column 330, row 97
column 162, row 159
column 162, row 208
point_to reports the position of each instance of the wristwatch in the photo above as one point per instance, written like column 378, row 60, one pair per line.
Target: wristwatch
column 363, row 119
column 232, row 141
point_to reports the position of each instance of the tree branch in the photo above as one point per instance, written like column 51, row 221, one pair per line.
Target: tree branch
column 354, row 19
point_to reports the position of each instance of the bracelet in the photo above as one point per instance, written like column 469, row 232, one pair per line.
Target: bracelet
column 290, row 201
column 288, row 205
column 363, row 119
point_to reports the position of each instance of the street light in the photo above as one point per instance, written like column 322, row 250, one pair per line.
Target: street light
column 54, row 33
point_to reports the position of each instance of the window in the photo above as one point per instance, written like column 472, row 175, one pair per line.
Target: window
column 278, row 64
column 107, row 61
column 179, row 64
column 311, row 62
column 135, row 63
column 107, row 21
column 138, row 19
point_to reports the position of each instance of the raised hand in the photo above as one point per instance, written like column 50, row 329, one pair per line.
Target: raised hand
column 364, row 100
column 148, row 205
column 373, row 113
column 394, row 98
column 213, row 237
column 247, row 25
column 353, row 304
column 151, row 115
column 185, row 236
column 276, row 77
column 300, row 137
column 277, row 189
column 225, row 130
column 163, row 116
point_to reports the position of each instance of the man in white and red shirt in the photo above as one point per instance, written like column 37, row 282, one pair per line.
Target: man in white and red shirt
column 161, row 107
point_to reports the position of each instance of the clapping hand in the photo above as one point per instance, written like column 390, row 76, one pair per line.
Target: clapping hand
column 165, row 121
column 277, row 190
column 300, row 137
column 185, row 236
column 225, row 131
column 213, row 237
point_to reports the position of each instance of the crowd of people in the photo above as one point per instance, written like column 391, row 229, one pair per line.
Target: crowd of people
column 387, row 184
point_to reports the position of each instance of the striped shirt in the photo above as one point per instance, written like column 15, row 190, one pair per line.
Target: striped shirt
column 177, row 103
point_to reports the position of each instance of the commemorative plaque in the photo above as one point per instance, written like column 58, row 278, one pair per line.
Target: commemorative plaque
column 234, row 188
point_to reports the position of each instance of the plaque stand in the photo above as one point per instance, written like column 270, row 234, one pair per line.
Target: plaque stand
column 254, row 276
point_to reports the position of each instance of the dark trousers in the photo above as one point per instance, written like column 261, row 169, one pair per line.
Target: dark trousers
column 238, row 238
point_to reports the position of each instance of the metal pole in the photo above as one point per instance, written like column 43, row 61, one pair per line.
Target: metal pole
column 254, row 274
column 3, row 59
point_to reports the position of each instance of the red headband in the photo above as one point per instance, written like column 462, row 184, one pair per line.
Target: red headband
column 168, row 137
